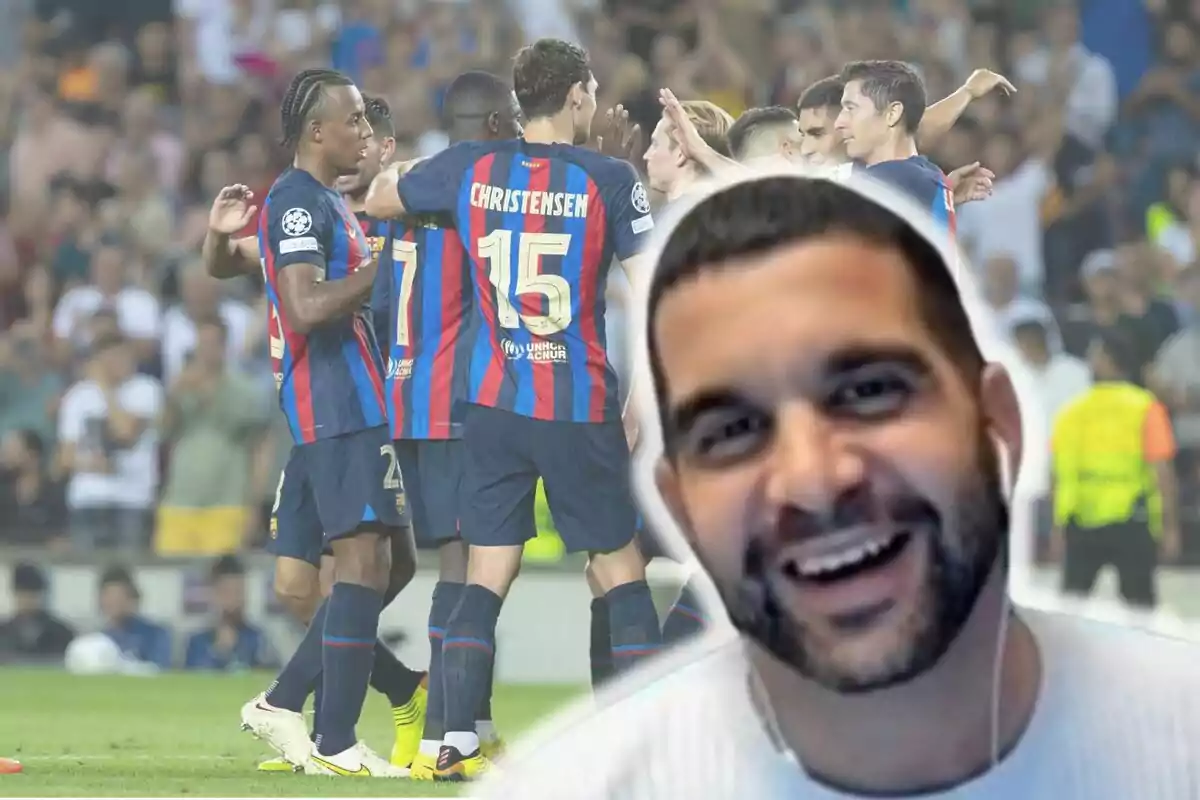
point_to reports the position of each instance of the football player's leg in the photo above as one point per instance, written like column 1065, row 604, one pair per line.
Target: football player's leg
column 356, row 486
column 585, row 469
column 275, row 716
column 497, row 519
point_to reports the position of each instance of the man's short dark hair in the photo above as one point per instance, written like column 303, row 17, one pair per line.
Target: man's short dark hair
column 754, row 217
column 887, row 82
column 825, row 93
column 543, row 74
column 226, row 566
column 474, row 92
column 754, row 120
column 379, row 115
column 28, row 578
column 119, row 576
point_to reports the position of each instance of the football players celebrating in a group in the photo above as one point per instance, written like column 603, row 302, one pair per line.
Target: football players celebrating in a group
column 541, row 219
column 296, row 534
column 342, row 470
column 424, row 296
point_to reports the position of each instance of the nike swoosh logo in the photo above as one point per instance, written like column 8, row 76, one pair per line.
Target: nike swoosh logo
column 362, row 770
column 261, row 707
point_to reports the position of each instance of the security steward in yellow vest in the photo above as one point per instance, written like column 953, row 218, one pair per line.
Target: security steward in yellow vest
column 1115, row 494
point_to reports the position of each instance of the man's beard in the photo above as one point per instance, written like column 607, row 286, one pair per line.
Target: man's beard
column 957, row 573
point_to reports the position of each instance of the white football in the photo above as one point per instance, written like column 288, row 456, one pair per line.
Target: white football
column 93, row 654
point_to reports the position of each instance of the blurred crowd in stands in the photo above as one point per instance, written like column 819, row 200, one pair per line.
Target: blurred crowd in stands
column 120, row 121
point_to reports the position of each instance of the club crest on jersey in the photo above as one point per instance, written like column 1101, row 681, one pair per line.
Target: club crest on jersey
column 639, row 198
column 296, row 222
column 376, row 244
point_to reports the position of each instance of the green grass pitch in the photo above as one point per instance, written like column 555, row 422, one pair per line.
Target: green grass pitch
column 178, row 735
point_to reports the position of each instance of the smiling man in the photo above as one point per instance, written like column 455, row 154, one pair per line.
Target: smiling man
column 844, row 487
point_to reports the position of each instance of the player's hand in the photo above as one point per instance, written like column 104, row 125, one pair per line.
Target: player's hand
column 618, row 137
column 682, row 130
column 984, row 81
column 971, row 183
column 231, row 211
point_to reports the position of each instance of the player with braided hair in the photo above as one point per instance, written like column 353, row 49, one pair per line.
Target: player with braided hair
column 341, row 475
column 302, row 573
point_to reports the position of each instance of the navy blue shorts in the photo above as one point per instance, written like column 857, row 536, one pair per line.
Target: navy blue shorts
column 332, row 487
column 433, row 474
column 584, row 468
column 296, row 530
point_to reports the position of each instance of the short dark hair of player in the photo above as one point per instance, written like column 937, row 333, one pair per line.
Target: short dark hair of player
column 825, row 93
column 543, row 74
column 28, row 578
column 226, row 566
column 887, row 82
column 754, row 120
column 754, row 217
column 119, row 576
column 303, row 99
column 473, row 93
column 379, row 115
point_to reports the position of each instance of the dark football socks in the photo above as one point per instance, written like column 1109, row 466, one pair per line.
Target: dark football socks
column 348, row 652
column 468, row 650
column 633, row 623
column 685, row 618
column 303, row 670
column 445, row 598
column 600, row 646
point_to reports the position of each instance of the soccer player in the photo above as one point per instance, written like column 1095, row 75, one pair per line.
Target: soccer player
column 845, row 488
column 319, row 272
column 541, row 219
column 668, row 169
column 821, row 103
column 302, row 574
column 424, row 296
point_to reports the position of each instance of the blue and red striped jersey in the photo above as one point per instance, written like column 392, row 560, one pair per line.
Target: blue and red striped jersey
column 331, row 379
column 923, row 181
column 423, row 298
column 541, row 225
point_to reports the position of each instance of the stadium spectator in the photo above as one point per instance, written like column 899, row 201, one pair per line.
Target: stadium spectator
column 200, row 299
column 231, row 642
column 32, row 634
column 139, row 638
column 216, row 422
column 108, row 450
column 136, row 309
column 28, row 391
column 32, row 503
column 1175, row 378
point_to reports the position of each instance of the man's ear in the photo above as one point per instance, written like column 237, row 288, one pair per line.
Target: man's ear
column 388, row 150
column 1002, row 415
column 667, row 481
column 895, row 113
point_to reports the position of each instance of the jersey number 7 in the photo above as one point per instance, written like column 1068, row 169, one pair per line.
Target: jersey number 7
column 496, row 249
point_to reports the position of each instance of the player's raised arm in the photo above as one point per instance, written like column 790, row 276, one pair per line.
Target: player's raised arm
column 226, row 257
column 683, row 130
column 296, row 232
column 940, row 117
column 422, row 186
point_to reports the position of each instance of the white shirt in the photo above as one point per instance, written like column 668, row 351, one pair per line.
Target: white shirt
column 133, row 482
column 179, row 336
column 1177, row 240
column 1092, row 103
column 1117, row 718
column 1060, row 381
column 137, row 313
column 1009, row 224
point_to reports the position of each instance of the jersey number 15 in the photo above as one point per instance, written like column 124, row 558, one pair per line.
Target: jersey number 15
column 496, row 248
